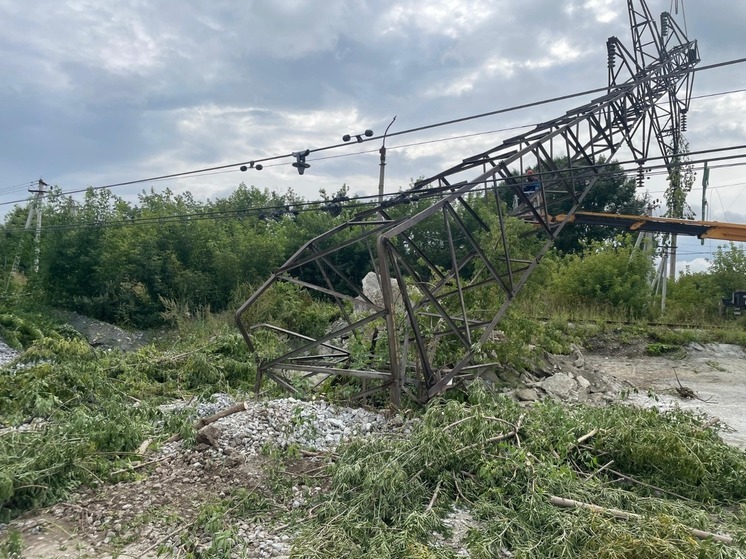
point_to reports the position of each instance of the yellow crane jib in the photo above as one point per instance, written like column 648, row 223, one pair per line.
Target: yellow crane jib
column 701, row 229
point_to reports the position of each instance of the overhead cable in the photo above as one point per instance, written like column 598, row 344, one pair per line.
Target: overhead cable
column 307, row 152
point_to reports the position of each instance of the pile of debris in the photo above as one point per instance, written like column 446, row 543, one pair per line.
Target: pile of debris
column 569, row 378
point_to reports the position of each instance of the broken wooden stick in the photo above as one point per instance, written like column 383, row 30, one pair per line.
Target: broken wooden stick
column 435, row 496
column 601, row 469
column 241, row 406
column 649, row 486
column 708, row 424
column 134, row 467
column 582, row 439
column 623, row 515
column 587, row 436
column 500, row 437
column 685, row 392
column 143, row 448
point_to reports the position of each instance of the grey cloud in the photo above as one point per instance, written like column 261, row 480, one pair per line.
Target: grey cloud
column 112, row 98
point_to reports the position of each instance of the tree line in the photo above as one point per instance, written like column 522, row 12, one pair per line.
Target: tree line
column 124, row 262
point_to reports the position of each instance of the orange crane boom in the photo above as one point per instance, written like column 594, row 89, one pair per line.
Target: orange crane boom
column 636, row 223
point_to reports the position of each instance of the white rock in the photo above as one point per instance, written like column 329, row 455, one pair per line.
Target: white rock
column 560, row 385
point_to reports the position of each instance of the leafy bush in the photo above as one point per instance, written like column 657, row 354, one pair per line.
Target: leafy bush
column 18, row 332
column 610, row 275
column 81, row 412
column 288, row 306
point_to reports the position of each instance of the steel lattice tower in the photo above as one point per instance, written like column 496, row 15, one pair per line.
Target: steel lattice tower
column 430, row 287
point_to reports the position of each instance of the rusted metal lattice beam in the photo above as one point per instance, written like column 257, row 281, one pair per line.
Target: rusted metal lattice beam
column 432, row 287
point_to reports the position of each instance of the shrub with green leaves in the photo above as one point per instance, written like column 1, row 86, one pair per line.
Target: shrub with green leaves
column 606, row 274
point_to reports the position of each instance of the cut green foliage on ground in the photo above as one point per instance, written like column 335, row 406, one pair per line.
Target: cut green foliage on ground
column 505, row 463
column 478, row 474
column 78, row 414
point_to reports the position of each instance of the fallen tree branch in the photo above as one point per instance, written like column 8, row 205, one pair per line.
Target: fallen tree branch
column 601, row 469
column 319, row 454
column 583, row 439
column 467, row 418
column 587, row 436
column 167, row 537
column 458, row 490
column 707, row 424
column 500, row 437
column 432, row 500
column 141, row 465
column 459, row 422
column 497, row 438
column 241, row 406
column 623, row 515
column 179, row 356
column 649, row 486
column 143, row 448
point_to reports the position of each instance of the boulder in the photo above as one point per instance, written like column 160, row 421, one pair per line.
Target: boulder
column 209, row 435
column 527, row 395
column 372, row 290
column 561, row 386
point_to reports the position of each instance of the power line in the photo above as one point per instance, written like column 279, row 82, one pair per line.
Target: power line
column 21, row 186
column 415, row 144
column 661, row 166
column 657, row 169
column 401, row 146
column 719, row 94
column 402, row 132
column 277, row 210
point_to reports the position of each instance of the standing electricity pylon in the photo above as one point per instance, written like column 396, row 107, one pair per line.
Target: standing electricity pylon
column 34, row 210
column 449, row 273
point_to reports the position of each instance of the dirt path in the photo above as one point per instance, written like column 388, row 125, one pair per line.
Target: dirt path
column 715, row 372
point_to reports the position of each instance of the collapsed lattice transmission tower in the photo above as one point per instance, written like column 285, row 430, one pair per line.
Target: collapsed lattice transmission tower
column 449, row 273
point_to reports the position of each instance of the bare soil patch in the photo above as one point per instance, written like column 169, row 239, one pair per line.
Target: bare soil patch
column 715, row 373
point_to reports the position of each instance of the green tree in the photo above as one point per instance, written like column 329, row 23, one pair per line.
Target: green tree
column 728, row 269
column 692, row 297
column 680, row 182
column 697, row 296
column 607, row 274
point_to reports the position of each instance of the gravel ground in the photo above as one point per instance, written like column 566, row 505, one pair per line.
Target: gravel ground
column 136, row 518
column 7, row 354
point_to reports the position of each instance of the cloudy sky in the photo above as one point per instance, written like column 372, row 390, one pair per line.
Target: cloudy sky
column 95, row 92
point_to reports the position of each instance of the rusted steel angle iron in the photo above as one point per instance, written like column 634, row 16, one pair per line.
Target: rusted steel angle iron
column 449, row 271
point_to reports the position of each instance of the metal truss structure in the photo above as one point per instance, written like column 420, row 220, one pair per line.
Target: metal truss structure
column 449, row 273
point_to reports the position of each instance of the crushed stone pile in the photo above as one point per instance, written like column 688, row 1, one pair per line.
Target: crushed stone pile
column 230, row 454
column 312, row 425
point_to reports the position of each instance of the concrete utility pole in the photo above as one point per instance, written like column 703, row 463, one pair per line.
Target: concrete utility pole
column 382, row 151
column 33, row 207
column 672, row 268
column 705, row 184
